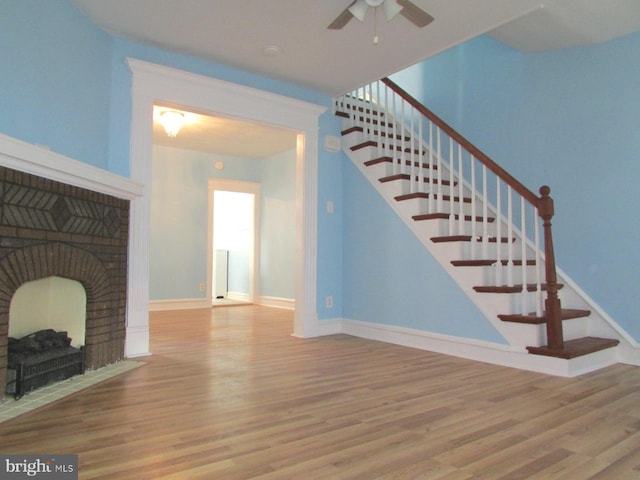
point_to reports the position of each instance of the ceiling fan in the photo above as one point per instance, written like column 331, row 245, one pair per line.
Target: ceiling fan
column 391, row 8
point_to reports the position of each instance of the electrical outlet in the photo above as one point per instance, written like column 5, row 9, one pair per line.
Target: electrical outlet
column 202, row 287
column 329, row 206
column 329, row 301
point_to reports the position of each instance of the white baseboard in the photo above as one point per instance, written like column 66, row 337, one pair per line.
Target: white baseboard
column 331, row 326
column 181, row 304
column 277, row 302
column 238, row 296
column 476, row 350
column 136, row 343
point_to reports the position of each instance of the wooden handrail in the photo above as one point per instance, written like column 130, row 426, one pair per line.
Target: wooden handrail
column 470, row 147
column 544, row 204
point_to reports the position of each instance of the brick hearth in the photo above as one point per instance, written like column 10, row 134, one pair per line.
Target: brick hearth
column 47, row 229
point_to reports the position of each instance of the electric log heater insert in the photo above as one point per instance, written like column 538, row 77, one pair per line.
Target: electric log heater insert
column 41, row 358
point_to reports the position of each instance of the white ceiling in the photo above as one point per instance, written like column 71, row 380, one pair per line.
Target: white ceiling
column 235, row 32
column 224, row 136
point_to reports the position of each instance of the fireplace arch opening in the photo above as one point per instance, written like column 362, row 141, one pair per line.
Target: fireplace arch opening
column 55, row 303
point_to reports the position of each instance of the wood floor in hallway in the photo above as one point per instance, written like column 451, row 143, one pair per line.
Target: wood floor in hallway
column 229, row 394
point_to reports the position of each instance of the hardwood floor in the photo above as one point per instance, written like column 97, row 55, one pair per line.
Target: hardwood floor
column 229, row 394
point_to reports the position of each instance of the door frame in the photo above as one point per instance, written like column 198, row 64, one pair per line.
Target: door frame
column 252, row 188
column 156, row 83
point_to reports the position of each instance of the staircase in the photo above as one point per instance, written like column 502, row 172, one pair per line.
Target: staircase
column 486, row 229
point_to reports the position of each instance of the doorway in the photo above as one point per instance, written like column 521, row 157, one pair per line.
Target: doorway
column 152, row 82
column 233, row 253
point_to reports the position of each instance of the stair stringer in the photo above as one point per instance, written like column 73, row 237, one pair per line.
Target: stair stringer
column 518, row 335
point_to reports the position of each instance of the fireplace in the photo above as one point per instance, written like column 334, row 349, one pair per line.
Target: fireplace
column 48, row 228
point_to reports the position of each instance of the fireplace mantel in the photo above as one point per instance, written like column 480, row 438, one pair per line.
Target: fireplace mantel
column 40, row 161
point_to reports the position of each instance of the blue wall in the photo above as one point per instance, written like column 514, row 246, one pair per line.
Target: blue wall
column 568, row 119
column 179, row 217
column 55, row 82
column 278, row 226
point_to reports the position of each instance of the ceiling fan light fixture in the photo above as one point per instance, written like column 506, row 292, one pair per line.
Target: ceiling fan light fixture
column 172, row 121
column 390, row 9
column 359, row 9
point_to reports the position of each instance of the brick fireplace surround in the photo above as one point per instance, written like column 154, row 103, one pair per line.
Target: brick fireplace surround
column 49, row 228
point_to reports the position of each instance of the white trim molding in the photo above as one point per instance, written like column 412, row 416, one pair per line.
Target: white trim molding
column 181, row 304
column 25, row 157
column 471, row 349
column 277, row 302
column 156, row 83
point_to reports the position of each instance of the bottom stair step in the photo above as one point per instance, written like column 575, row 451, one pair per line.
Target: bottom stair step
column 566, row 314
column 576, row 348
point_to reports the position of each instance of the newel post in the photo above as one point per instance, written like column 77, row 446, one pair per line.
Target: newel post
column 553, row 312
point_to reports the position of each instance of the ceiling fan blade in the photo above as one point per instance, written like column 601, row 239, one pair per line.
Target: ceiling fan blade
column 414, row 14
column 342, row 19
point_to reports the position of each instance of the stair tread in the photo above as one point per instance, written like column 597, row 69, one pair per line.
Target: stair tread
column 532, row 318
column 360, row 129
column 517, row 288
column 576, row 348
column 445, row 198
column 397, row 148
column 467, row 238
column 488, row 263
column 405, row 176
column 445, row 216
column 358, row 108
column 387, row 159
column 372, row 121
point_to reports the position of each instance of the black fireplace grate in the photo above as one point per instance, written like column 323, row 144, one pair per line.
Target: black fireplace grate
column 36, row 371
column 39, row 359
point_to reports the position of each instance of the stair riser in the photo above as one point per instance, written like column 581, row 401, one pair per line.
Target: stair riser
column 492, row 275
column 420, row 206
column 444, row 227
column 380, row 170
column 399, row 187
column 460, row 250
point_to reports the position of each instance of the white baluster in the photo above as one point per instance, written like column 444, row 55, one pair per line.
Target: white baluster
column 430, row 166
column 474, row 235
column 439, row 169
column 461, row 221
column 537, row 256
column 387, row 150
column 379, row 108
column 452, row 206
column 422, row 184
column 394, row 141
column 510, row 236
column 485, row 225
column 498, row 230
column 523, row 250
column 415, row 186
column 403, row 121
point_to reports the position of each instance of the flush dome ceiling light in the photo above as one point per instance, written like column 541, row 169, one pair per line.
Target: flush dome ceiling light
column 172, row 121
